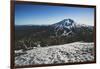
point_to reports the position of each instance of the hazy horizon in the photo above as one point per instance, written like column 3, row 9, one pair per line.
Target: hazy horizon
column 30, row 14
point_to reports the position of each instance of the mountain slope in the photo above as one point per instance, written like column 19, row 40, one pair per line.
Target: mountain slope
column 67, row 53
column 69, row 26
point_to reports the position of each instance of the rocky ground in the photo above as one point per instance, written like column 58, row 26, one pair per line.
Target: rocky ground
column 67, row 53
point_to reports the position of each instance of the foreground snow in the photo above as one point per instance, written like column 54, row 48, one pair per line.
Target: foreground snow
column 67, row 53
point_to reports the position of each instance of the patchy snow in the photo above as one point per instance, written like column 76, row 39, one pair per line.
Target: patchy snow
column 67, row 53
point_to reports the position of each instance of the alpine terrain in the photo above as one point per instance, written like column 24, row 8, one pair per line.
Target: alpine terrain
column 63, row 42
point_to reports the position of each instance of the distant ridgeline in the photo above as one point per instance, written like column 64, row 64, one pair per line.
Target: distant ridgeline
column 65, row 31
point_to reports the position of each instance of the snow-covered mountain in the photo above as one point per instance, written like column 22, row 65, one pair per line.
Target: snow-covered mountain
column 68, row 26
column 66, row 23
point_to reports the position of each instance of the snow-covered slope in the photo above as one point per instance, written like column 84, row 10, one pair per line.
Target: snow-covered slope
column 64, row 24
column 67, row 53
column 68, row 26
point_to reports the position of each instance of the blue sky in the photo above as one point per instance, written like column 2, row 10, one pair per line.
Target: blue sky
column 29, row 14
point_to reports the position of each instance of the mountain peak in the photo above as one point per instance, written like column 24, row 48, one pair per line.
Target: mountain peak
column 65, row 26
column 65, row 23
